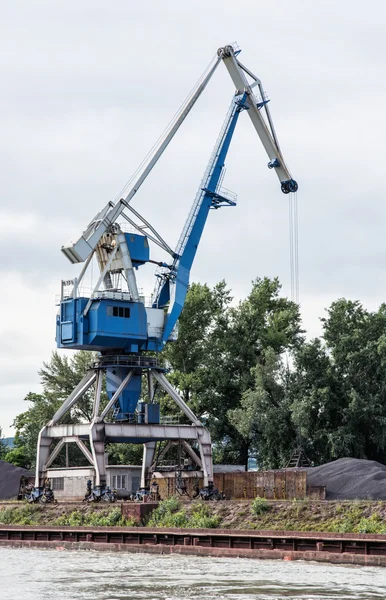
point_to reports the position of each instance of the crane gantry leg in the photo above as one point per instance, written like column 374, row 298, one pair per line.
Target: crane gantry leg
column 143, row 426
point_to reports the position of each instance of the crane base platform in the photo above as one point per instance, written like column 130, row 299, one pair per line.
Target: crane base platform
column 110, row 423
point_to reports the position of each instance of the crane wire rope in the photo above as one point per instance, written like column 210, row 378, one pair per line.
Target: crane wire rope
column 161, row 137
column 293, row 219
column 294, row 276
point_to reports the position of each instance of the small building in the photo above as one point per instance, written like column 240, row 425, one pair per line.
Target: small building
column 71, row 484
column 126, row 479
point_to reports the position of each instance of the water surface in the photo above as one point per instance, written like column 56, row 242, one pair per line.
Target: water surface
column 27, row 573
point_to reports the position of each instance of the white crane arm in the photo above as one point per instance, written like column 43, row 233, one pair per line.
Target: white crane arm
column 237, row 72
column 80, row 250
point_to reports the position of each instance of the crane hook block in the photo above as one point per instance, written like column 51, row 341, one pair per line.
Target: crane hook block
column 289, row 186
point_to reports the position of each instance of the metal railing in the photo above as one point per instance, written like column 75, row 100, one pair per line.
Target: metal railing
column 86, row 292
column 169, row 420
column 126, row 360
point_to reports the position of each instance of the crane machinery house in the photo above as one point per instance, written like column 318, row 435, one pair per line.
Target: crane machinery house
column 129, row 330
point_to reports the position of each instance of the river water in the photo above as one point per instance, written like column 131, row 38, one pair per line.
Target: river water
column 52, row 574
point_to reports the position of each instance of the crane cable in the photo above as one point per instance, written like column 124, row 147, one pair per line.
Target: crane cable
column 294, row 246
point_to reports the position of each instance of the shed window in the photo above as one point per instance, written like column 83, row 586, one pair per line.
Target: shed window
column 120, row 482
column 57, row 483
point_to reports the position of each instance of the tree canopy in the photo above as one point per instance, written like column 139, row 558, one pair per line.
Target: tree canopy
column 249, row 373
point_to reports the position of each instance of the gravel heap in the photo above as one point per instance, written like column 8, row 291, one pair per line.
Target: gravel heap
column 350, row 479
column 10, row 477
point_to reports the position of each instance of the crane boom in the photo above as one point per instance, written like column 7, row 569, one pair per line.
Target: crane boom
column 175, row 282
column 80, row 250
column 237, row 72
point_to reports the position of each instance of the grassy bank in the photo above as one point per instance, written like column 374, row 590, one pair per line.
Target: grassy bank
column 305, row 515
column 62, row 514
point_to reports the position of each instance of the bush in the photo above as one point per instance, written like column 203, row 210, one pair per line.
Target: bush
column 373, row 524
column 22, row 515
column 170, row 514
column 166, row 514
column 259, row 506
column 202, row 519
column 97, row 518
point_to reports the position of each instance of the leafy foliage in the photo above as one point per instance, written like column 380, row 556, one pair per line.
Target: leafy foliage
column 170, row 513
column 338, row 385
column 22, row 515
column 259, row 506
column 248, row 373
column 3, row 446
column 98, row 518
column 58, row 377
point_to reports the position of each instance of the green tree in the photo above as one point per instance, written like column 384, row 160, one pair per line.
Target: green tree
column 219, row 346
column 62, row 374
column 204, row 312
column 3, row 446
column 318, row 398
column 59, row 377
column 18, row 455
column 339, row 386
column 263, row 325
column 264, row 415
column 124, row 454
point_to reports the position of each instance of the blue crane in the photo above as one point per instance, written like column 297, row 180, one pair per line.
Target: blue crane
column 118, row 322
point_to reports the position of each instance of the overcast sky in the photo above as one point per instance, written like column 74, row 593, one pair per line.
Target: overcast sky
column 88, row 86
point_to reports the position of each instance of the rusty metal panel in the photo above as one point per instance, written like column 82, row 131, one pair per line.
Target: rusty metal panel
column 269, row 484
column 163, row 488
column 259, row 484
column 301, row 484
column 316, row 492
column 280, row 485
column 219, row 481
column 240, row 490
column 251, row 487
column 228, row 485
column 290, row 480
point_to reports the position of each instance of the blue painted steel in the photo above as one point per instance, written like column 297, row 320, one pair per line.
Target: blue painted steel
column 102, row 328
column 138, row 247
column 128, row 400
column 120, row 326
column 183, row 264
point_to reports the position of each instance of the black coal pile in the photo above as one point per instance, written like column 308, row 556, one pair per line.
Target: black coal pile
column 10, row 477
column 350, row 479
